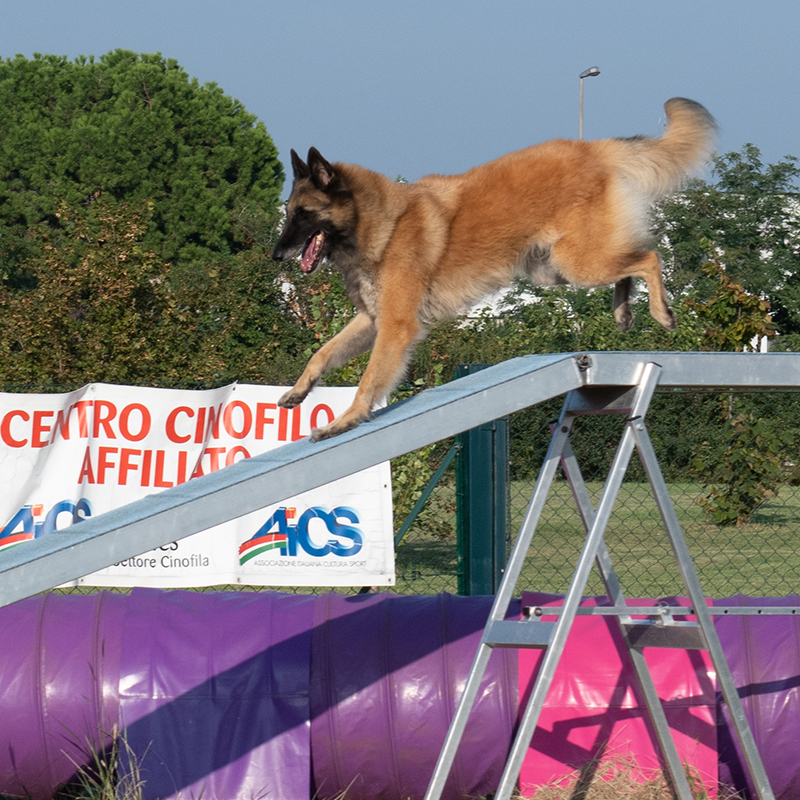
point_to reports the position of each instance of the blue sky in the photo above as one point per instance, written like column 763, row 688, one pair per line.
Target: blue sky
column 420, row 86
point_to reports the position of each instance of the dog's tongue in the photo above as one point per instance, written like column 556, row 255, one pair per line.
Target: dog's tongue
column 311, row 253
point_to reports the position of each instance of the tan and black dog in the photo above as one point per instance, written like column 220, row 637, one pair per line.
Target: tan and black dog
column 561, row 212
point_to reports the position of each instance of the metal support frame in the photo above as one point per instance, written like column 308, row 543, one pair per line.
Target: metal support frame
column 481, row 507
column 426, row 493
column 658, row 630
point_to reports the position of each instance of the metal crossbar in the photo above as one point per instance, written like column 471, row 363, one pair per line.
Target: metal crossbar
column 659, row 630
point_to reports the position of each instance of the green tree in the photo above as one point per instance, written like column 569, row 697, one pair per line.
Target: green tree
column 732, row 318
column 134, row 128
column 137, row 211
column 95, row 303
column 752, row 215
column 89, row 305
column 748, row 469
column 744, row 469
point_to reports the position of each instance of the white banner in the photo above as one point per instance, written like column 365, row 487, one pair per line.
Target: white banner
column 70, row 456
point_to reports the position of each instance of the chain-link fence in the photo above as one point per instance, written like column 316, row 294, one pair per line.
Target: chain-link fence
column 426, row 559
column 724, row 457
column 714, row 449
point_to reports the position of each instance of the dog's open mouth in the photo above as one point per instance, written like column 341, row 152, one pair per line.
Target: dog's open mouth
column 312, row 253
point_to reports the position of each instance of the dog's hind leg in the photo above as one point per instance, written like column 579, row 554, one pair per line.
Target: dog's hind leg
column 648, row 265
column 355, row 338
column 622, row 304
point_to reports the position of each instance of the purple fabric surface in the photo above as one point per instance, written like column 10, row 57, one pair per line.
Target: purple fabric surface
column 237, row 694
column 386, row 675
column 59, row 678
column 764, row 656
column 214, row 693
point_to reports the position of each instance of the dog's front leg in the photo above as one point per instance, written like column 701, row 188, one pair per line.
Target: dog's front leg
column 393, row 346
column 355, row 338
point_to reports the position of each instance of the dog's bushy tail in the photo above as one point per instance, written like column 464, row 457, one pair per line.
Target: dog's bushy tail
column 660, row 166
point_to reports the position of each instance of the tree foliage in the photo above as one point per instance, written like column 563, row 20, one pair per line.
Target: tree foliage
column 751, row 216
column 732, row 318
column 95, row 303
column 138, row 208
column 134, row 128
column 88, row 308
column 137, row 212
column 744, row 468
column 748, row 469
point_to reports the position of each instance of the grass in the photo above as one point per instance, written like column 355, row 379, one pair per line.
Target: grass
column 609, row 779
column 99, row 777
column 759, row 558
column 620, row 779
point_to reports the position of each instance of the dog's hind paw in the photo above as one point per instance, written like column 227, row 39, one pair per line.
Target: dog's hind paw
column 624, row 321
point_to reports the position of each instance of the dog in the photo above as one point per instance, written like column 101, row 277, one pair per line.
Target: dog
column 560, row 212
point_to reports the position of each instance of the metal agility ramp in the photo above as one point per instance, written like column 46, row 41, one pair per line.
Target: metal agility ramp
column 616, row 383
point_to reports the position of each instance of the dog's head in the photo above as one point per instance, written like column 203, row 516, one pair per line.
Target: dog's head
column 316, row 221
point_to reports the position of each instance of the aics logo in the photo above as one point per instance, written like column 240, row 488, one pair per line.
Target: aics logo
column 30, row 522
column 318, row 532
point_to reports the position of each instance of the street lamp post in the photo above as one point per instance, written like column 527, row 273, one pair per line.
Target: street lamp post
column 587, row 73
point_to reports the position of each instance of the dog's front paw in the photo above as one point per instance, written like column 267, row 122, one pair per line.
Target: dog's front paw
column 339, row 425
column 292, row 398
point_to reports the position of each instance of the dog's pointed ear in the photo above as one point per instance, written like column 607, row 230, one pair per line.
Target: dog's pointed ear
column 298, row 167
column 322, row 173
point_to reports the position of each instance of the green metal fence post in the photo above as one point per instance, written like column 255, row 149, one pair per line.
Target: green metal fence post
column 481, row 491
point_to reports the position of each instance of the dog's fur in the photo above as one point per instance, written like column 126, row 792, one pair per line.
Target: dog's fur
column 560, row 212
